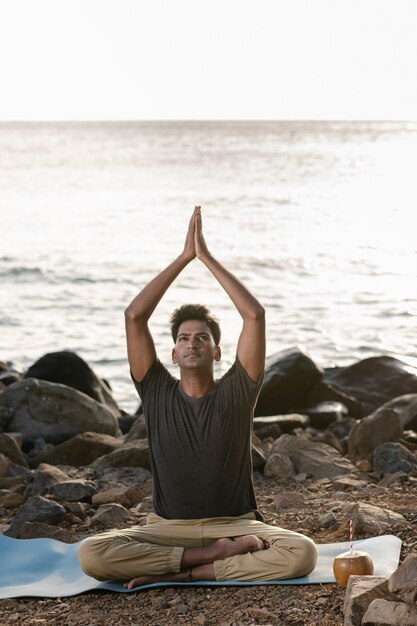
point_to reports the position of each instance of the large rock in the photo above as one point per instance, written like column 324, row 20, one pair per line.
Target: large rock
column 315, row 459
column 371, row 521
column 360, row 591
column 406, row 407
column 111, row 514
column 403, row 582
column 36, row 509
column 132, row 454
column 80, row 450
column 67, row 368
column 390, row 458
column 75, row 490
column 374, row 381
column 370, row 432
column 53, row 412
column 382, row 612
column 289, row 378
column 126, row 496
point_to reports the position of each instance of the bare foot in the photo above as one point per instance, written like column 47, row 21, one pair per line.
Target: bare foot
column 197, row 563
column 226, row 547
column 147, row 580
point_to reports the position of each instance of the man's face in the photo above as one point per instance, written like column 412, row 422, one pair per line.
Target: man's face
column 195, row 347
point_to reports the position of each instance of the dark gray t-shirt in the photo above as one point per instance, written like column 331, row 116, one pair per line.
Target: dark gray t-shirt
column 200, row 448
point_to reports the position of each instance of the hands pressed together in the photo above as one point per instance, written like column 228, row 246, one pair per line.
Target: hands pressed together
column 195, row 245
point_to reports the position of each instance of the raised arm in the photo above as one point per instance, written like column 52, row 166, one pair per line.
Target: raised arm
column 140, row 345
column 251, row 344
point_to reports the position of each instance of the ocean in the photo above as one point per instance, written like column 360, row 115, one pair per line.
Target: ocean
column 316, row 218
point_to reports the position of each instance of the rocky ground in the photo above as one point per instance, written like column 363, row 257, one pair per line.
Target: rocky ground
column 309, row 605
column 328, row 447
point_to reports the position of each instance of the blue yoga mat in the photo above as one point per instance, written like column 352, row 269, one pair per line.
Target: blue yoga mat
column 48, row 568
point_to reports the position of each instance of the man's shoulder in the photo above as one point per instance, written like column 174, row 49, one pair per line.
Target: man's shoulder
column 157, row 376
column 238, row 371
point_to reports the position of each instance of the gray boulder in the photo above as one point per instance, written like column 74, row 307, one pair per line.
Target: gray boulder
column 371, row 521
column 289, row 378
column 80, row 450
column 406, row 407
column 360, row 591
column 382, row 612
column 67, row 368
column 370, row 432
column 126, row 496
column 374, row 381
column 132, row 454
column 403, row 582
column 390, row 458
column 36, row 509
column 315, row 459
column 111, row 514
column 75, row 490
column 54, row 412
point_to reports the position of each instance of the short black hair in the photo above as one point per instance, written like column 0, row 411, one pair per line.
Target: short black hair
column 195, row 312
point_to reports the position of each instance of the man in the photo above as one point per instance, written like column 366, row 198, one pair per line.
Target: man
column 206, row 525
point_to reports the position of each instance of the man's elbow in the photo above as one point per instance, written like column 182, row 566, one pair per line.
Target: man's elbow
column 258, row 313
column 129, row 315
column 132, row 315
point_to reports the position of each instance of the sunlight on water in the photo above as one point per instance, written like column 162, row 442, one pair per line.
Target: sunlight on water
column 316, row 218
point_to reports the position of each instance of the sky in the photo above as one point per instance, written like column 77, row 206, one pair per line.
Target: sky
column 218, row 59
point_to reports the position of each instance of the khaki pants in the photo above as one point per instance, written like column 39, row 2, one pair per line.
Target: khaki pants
column 157, row 548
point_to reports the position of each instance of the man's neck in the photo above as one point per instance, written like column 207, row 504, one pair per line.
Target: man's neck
column 196, row 383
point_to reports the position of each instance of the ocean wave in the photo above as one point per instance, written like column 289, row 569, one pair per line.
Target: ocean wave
column 395, row 313
column 21, row 272
column 31, row 274
column 9, row 321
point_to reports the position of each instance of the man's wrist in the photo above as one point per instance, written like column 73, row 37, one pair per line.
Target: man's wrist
column 186, row 257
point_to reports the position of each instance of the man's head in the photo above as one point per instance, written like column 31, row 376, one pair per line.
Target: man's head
column 195, row 312
column 196, row 334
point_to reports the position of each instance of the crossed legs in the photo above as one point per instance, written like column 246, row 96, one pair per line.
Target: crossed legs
column 240, row 548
